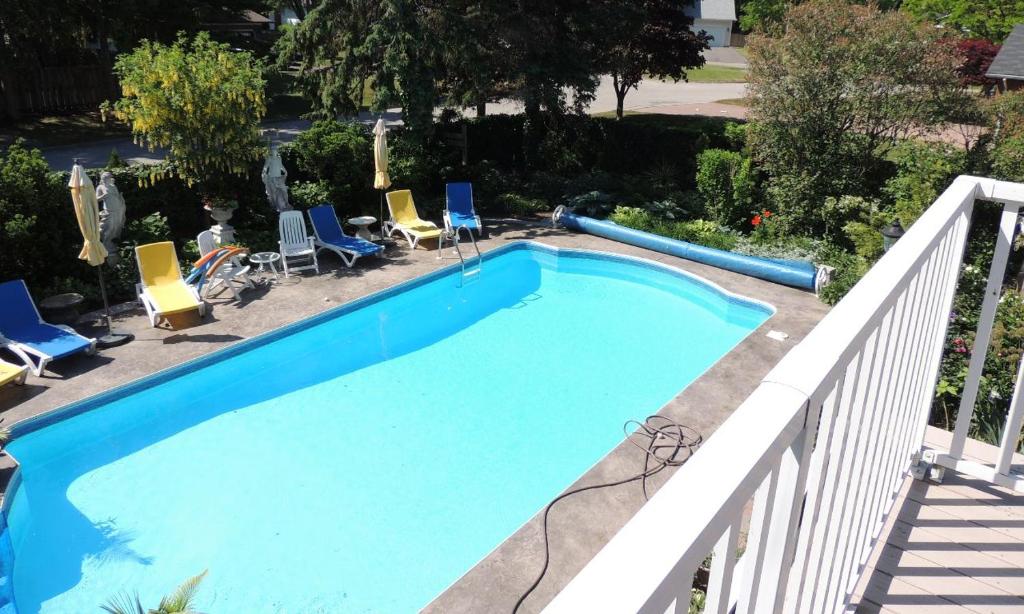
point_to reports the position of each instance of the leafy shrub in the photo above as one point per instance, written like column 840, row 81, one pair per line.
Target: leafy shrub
column 717, row 171
column 848, row 271
column 701, row 232
column 594, row 203
column 306, row 194
column 339, row 154
column 37, row 223
column 632, row 217
column 924, row 170
column 521, row 206
column 736, row 135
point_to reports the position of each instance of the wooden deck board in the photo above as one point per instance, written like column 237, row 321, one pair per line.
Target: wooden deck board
column 951, row 547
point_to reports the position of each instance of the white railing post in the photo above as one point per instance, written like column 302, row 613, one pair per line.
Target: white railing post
column 789, row 502
column 949, row 281
column 723, row 564
column 1007, row 225
column 757, row 544
column 1011, row 434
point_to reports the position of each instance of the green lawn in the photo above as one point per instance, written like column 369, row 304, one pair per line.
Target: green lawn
column 717, row 74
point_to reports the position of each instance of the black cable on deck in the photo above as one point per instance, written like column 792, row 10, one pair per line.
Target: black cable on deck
column 664, row 442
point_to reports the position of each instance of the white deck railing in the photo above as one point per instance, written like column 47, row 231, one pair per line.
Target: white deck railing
column 822, row 445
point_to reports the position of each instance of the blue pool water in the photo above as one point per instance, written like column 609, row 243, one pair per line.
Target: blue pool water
column 363, row 460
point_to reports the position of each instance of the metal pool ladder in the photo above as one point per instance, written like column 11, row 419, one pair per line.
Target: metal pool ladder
column 473, row 272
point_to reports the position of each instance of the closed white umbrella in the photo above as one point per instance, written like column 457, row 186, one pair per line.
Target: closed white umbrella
column 87, row 211
column 381, row 180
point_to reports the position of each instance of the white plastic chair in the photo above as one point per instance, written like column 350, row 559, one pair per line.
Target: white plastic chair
column 295, row 243
column 234, row 271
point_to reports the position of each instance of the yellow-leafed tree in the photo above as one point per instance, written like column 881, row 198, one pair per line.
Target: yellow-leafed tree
column 197, row 99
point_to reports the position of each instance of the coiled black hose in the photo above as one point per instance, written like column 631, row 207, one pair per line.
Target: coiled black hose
column 664, row 442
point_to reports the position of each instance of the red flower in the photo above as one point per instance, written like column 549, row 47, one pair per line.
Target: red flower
column 757, row 220
column 766, row 213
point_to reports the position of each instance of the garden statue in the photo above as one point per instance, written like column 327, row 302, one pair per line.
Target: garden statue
column 112, row 215
column 274, row 176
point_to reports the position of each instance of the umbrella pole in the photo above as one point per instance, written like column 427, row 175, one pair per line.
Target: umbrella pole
column 111, row 339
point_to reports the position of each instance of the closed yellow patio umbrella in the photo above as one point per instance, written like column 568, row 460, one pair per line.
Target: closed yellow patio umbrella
column 83, row 197
column 381, row 180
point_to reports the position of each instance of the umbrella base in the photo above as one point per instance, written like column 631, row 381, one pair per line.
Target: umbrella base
column 113, row 339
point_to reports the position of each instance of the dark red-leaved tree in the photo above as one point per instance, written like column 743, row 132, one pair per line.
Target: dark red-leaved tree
column 978, row 54
column 650, row 38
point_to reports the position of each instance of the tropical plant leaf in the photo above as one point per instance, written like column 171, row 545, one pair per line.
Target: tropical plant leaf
column 123, row 604
column 180, row 601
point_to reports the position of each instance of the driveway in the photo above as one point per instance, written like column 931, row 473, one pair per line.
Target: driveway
column 649, row 94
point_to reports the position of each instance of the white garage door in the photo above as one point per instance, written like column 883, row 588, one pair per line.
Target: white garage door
column 719, row 34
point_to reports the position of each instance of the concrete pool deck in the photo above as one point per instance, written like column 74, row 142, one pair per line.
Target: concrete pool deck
column 580, row 525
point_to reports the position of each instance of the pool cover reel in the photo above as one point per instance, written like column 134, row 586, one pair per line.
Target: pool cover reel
column 795, row 273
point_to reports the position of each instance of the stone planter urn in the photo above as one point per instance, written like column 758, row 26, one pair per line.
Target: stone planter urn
column 221, row 212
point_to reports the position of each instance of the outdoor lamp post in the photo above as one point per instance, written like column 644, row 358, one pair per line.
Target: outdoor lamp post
column 891, row 234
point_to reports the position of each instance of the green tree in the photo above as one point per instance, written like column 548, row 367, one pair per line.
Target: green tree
column 200, row 100
column 766, row 14
column 1006, row 122
column 761, row 14
column 988, row 19
column 652, row 39
column 343, row 44
column 842, row 84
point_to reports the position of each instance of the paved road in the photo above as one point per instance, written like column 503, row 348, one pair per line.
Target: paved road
column 648, row 96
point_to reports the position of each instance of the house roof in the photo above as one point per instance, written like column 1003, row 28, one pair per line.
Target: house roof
column 712, row 9
column 1009, row 62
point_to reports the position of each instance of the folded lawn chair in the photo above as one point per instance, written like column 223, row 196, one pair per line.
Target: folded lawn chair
column 459, row 210
column 329, row 235
column 295, row 243
column 23, row 331
column 406, row 220
column 163, row 291
column 12, row 373
column 227, row 274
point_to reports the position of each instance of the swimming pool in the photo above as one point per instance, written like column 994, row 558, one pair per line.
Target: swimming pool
column 363, row 459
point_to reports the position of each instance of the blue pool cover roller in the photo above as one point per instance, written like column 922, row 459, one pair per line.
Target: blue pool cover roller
column 795, row 273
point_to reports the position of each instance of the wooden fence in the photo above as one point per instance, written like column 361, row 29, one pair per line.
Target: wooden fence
column 54, row 89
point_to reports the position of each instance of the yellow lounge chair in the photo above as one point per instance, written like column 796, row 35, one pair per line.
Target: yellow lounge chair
column 406, row 220
column 12, row 373
column 162, row 290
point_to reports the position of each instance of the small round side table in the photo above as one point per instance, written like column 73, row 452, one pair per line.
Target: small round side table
column 263, row 259
column 363, row 224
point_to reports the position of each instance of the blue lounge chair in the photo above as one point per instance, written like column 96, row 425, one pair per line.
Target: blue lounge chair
column 27, row 336
column 329, row 235
column 459, row 210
